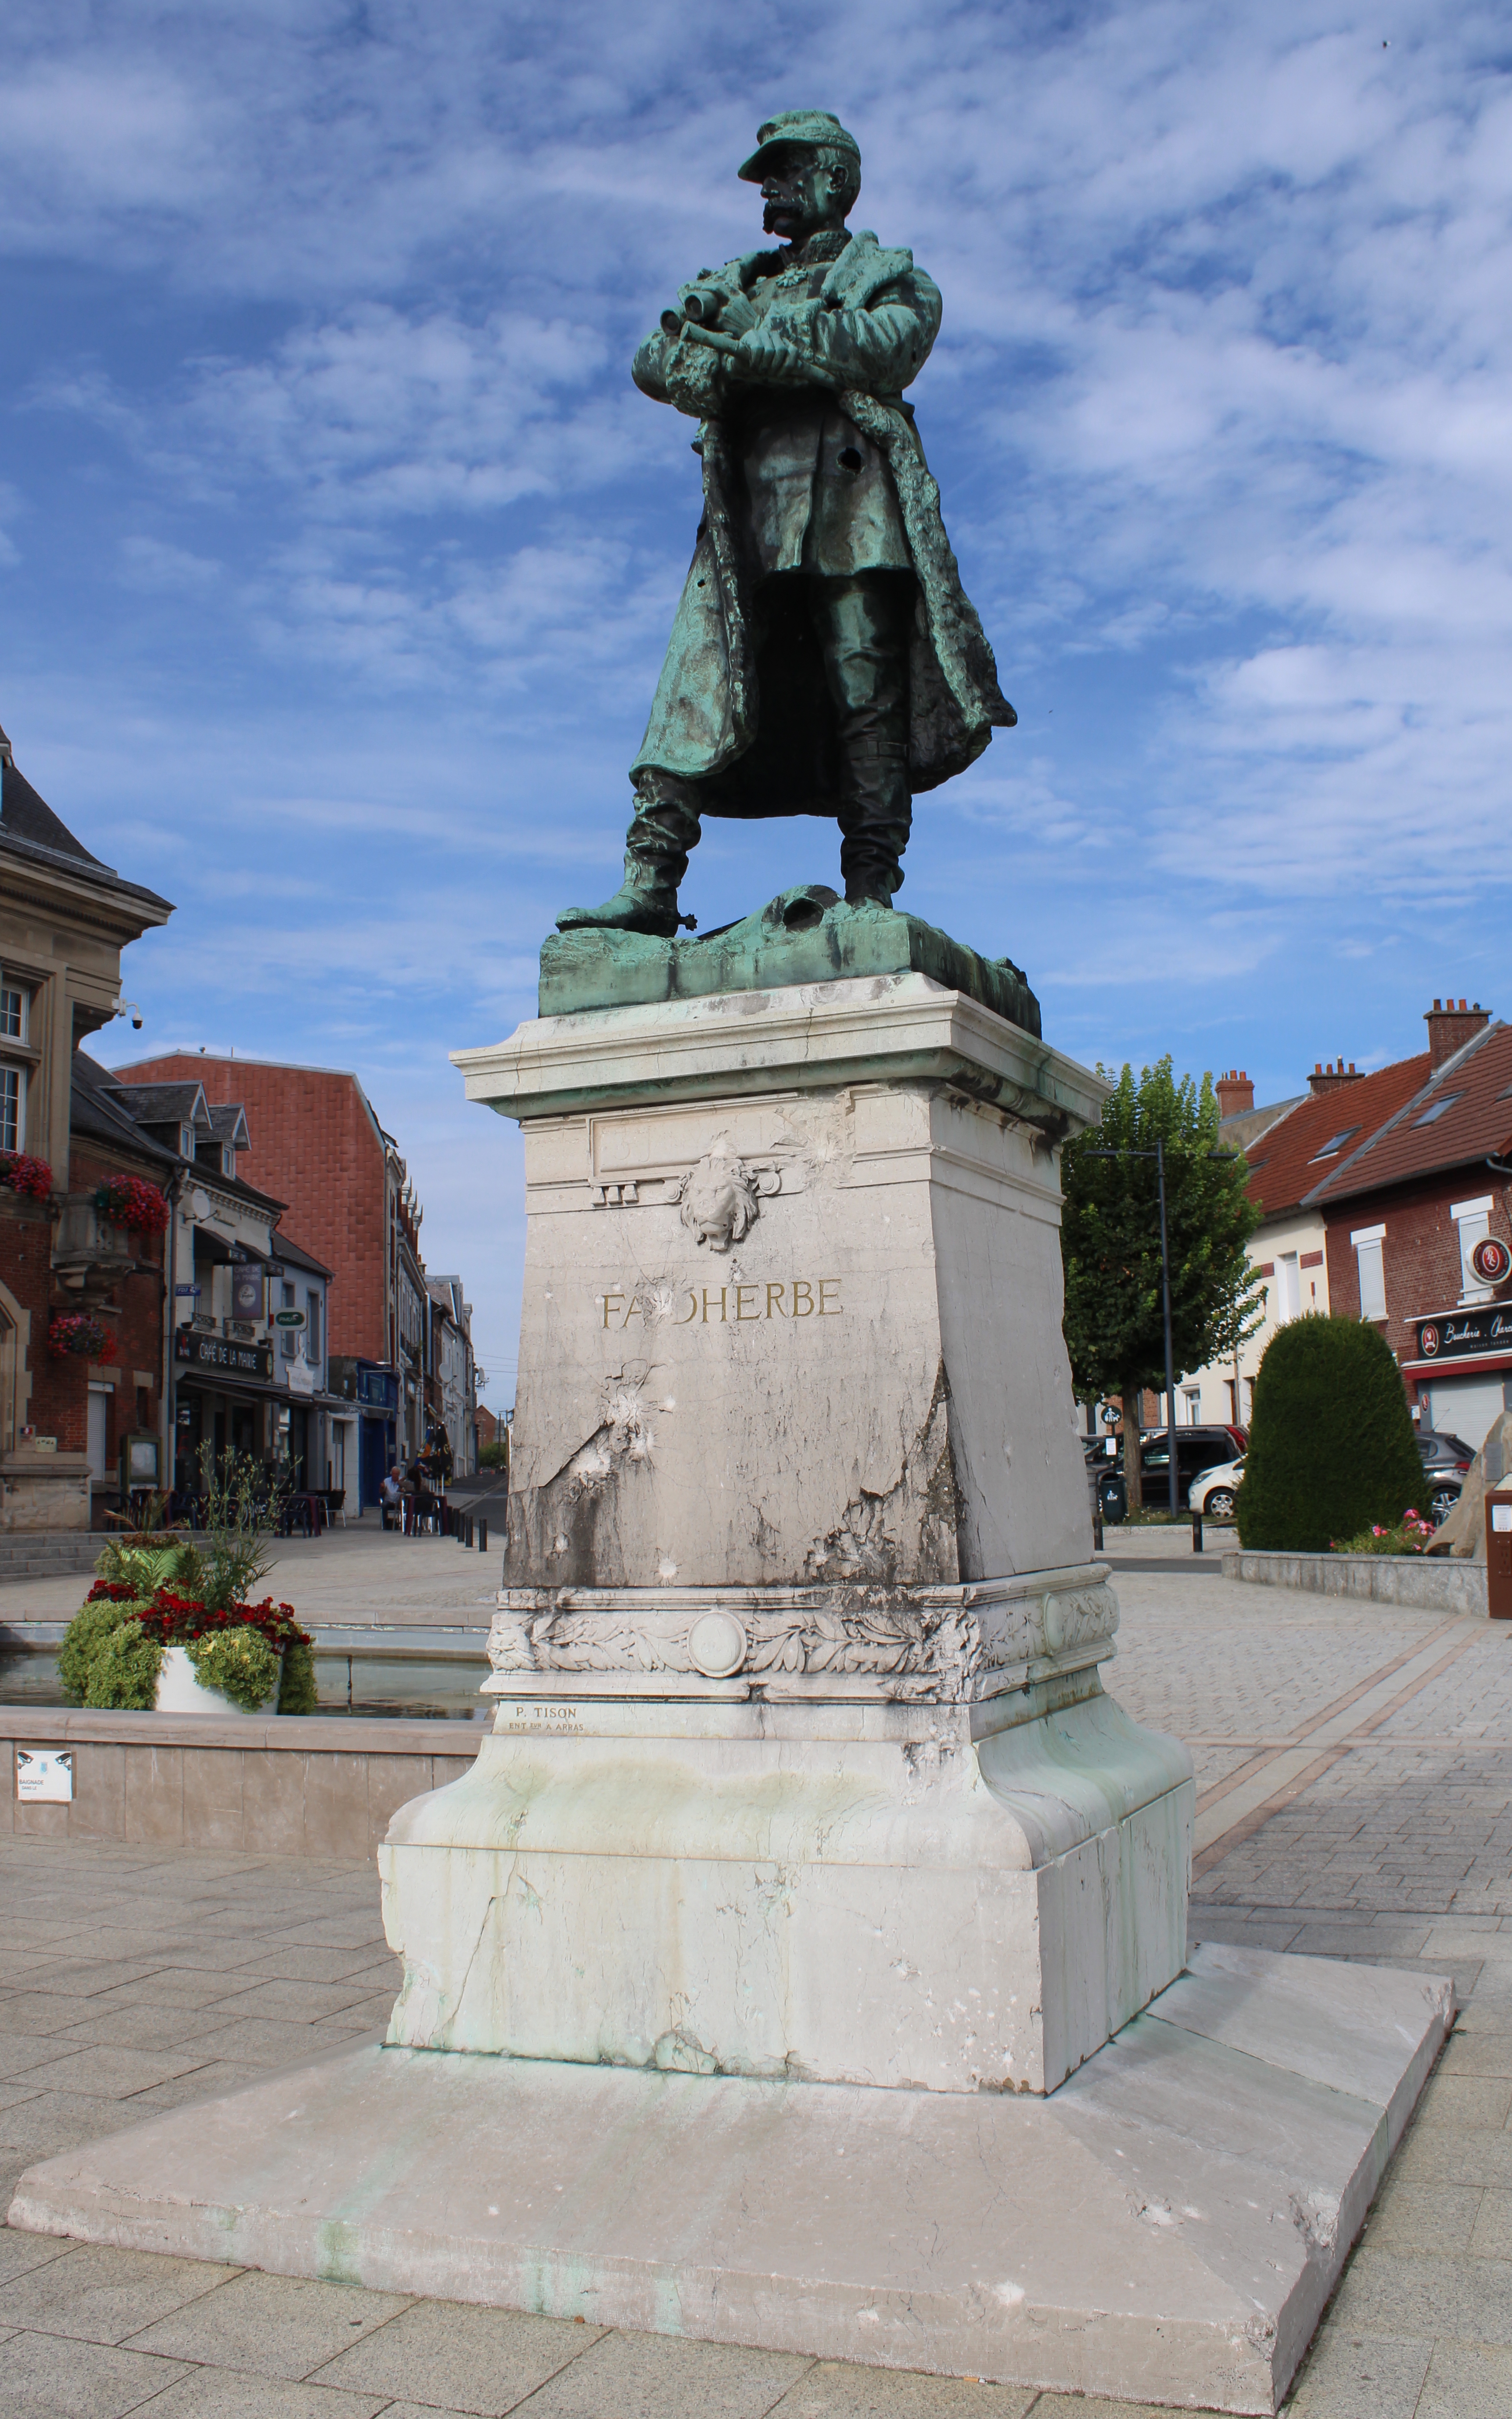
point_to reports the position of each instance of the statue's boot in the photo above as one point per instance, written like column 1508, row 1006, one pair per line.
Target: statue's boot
column 664, row 828
column 863, row 623
column 875, row 818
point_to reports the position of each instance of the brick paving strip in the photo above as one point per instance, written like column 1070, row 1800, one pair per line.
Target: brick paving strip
column 134, row 1979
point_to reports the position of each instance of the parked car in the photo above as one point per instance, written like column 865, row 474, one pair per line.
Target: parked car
column 1447, row 1461
column 1198, row 1450
column 1213, row 1493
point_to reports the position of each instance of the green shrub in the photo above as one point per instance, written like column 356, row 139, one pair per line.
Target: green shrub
column 123, row 1671
column 495, row 1455
column 87, row 1634
column 1331, row 1444
column 296, row 1691
column 240, row 1663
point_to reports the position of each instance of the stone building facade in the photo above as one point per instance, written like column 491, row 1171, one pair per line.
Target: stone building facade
column 65, row 918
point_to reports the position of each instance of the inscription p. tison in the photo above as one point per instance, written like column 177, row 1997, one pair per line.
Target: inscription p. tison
column 725, row 1305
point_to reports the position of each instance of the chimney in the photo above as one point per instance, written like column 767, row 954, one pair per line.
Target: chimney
column 1235, row 1092
column 1450, row 1026
column 1331, row 1079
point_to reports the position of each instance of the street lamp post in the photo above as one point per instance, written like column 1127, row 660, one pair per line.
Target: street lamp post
column 1158, row 1155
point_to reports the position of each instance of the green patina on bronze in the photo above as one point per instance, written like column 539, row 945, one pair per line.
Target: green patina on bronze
column 807, row 936
column 825, row 659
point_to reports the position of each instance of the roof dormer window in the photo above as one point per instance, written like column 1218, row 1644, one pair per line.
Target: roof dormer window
column 186, row 1142
column 228, row 1159
column 1334, row 1143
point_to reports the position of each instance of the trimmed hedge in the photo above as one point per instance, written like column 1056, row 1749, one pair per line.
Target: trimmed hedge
column 1331, row 1443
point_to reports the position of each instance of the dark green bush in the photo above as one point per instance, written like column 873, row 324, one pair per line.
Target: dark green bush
column 240, row 1663
column 123, row 1671
column 1331, row 1443
column 296, row 1691
column 87, row 1635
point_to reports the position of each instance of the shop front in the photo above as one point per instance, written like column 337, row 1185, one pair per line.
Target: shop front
column 1460, row 1373
column 230, row 1401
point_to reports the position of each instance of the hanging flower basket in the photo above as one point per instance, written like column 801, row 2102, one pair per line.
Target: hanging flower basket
column 19, row 1174
column 127, row 1201
column 74, row 1335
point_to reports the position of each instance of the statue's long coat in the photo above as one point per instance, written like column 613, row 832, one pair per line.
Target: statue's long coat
column 708, row 717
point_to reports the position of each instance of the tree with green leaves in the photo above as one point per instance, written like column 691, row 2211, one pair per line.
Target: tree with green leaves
column 1110, row 1245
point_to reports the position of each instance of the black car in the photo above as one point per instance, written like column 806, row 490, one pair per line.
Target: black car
column 1196, row 1449
column 1447, row 1461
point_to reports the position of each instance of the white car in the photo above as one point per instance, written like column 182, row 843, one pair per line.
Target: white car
column 1213, row 1493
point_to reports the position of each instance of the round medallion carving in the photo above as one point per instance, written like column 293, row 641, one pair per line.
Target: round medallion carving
column 716, row 1645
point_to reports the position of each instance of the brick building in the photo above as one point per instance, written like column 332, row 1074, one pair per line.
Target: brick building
column 1290, row 1148
column 1418, row 1234
column 317, row 1145
column 65, row 918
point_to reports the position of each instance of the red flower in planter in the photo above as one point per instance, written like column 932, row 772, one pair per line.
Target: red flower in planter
column 19, row 1174
column 126, row 1201
column 72, row 1334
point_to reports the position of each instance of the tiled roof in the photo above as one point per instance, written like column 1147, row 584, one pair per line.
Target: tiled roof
column 96, row 1109
column 1245, row 1127
column 1459, row 1116
column 163, row 1104
column 28, row 825
column 1290, row 1160
column 228, row 1124
column 285, row 1249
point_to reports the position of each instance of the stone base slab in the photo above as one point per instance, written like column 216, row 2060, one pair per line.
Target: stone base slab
column 1167, row 2227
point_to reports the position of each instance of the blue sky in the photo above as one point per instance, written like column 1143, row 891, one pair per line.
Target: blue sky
column 337, row 551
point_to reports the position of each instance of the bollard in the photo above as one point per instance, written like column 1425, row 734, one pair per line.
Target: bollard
column 1196, row 1533
column 1499, row 1553
column 482, row 1536
column 470, row 1528
column 1097, row 1531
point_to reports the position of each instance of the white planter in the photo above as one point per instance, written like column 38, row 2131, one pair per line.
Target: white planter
column 180, row 1690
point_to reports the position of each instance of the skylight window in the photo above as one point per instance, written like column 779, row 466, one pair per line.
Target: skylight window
column 1337, row 1143
column 1430, row 1116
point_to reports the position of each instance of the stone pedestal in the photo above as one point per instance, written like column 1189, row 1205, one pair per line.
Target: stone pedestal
column 780, row 1927
column 802, row 1767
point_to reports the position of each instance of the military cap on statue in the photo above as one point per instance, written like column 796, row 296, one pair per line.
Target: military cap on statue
column 797, row 125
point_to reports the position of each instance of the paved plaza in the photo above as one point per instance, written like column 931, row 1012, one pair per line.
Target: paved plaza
column 1355, row 1799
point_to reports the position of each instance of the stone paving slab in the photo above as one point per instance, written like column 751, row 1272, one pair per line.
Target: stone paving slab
column 1237, row 1670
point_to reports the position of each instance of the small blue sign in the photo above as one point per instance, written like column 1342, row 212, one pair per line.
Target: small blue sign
column 191, row 1292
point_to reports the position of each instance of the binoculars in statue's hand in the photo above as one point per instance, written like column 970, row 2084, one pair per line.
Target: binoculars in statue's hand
column 698, row 305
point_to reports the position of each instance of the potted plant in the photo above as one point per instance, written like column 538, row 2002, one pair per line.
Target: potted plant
column 170, row 1625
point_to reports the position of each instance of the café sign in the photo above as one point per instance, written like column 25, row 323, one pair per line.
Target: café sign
column 1466, row 1334
column 217, row 1353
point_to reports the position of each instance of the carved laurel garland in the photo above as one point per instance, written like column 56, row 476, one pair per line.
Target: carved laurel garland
column 927, row 1648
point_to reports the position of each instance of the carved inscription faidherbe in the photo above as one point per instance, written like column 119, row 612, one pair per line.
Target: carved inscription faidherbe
column 741, row 1304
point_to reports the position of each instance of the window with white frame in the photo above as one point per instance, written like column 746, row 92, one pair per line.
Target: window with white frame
column 1368, row 1243
column 228, row 1159
column 1191, row 1405
column 186, row 1142
column 15, row 1014
column 1473, row 1221
column 1288, row 1287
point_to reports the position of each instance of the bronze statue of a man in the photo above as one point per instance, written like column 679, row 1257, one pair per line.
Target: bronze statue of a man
column 825, row 659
